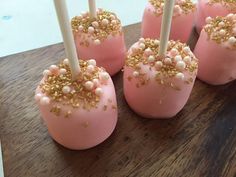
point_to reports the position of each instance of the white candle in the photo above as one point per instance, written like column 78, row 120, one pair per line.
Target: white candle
column 166, row 26
column 67, row 35
column 92, row 8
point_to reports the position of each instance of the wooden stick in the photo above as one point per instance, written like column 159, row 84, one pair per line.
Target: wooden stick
column 166, row 26
column 68, row 39
column 92, row 8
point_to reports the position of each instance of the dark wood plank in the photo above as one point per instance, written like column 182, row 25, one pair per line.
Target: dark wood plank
column 199, row 141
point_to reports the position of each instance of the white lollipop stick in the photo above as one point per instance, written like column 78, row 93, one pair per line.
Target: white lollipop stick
column 67, row 35
column 92, row 8
column 166, row 26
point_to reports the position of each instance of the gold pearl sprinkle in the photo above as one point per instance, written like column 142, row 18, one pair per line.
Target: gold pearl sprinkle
column 167, row 71
column 213, row 29
column 186, row 6
column 79, row 97
column 229, row 4
column 101, row 32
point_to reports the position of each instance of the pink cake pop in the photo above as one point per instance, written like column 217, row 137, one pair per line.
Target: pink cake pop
column 182, row 22
column 216, row 50
column 157, row 87
column 100, row 38
column 79, row 114
column 213, row 8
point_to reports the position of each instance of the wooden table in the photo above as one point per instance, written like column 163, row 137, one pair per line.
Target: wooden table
column 200, row 141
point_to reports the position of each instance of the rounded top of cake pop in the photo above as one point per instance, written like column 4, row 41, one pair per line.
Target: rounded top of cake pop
column 229, row 4
column 98, row 29
column 181, row 7
column 58, row 87
column 178, row 62
column 222, row 30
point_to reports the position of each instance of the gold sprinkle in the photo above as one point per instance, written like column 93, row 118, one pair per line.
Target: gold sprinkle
column 101, row 32
column 229, row 4
column 79, row 97
column 187, row 6
column 85, row 124
column 104, row 107
column 114, row 107
column 68, row 113
column 167, row 71
column 213, row 29
column 129, row 78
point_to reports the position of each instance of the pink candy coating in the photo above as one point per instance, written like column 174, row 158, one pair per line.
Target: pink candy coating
column 205, row 10
column 180, row 30
column 154, row 100
column 82, row 129
column 109, row 53
column 216, row 63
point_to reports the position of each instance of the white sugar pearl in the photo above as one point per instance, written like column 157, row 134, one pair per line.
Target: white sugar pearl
column 97, row 42
column 158, row 65
column 142, row 40
column 177, row 9
column 53, row 68
column 89, row 85
column 112, row 17
column 180, row 65
column 142, row 45
column 95, row 24
column 134, row 49
column 208, row 19
column 148, row 51
column 95, row 82
column 81, row 28
column 230, row 16
column 156, row 42
column 221, row 24
column 180, row 76
column 187, row 59
column 167, row 61
column 174, row 52
column 135, row 73
column 84, row 14
column 178, row 58
column 90, row 68
column 234, row 31
column 91, row 29
column 113, row 22
column 66, row 89
column 66, row 61
column 232, row 40
column 62, row 71
column 38, row 96
column 104, row 76
column 162, row 5
column 98, row 91
column 151, row 58
column 105, row 22
column 222, row 32
column 46, row 72
column 186, row 49
column 92, row 62
column 44, row 101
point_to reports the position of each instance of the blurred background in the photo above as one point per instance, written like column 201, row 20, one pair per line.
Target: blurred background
column 30, row 24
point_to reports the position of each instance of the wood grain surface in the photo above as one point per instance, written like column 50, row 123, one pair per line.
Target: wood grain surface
column 199, row 142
